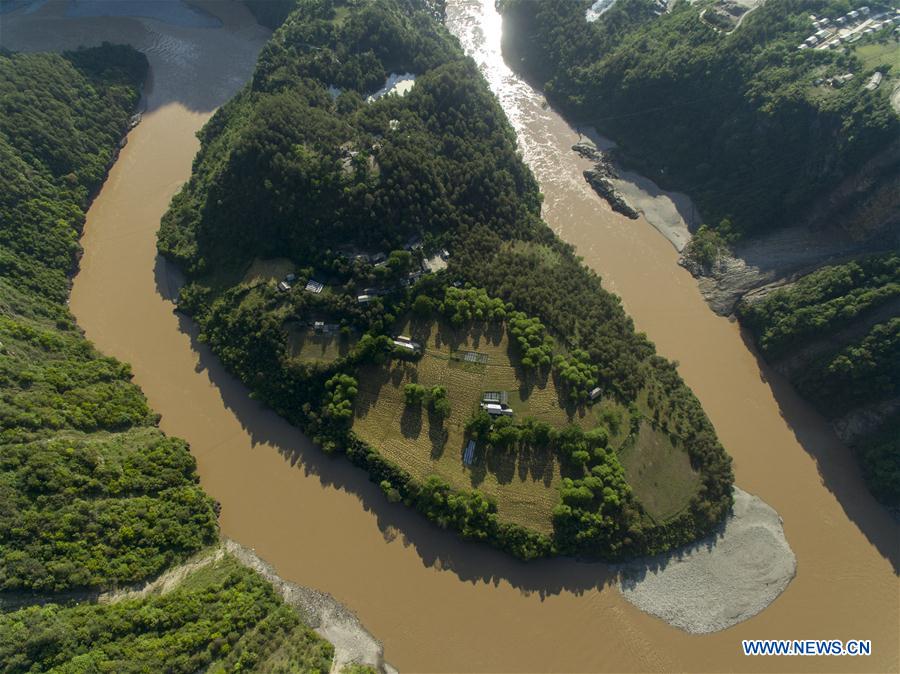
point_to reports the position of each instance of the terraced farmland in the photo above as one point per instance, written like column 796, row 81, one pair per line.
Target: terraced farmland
column 524, row 483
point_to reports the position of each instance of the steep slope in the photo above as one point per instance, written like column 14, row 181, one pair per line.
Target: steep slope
column 742, row 120
column 836, row 334
column 93, row 493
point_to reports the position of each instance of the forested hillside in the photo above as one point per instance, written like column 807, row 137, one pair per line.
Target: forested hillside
column 220, row 618
column 836, row 334
column 323, row 220
column 742, row 120
column 92, row 495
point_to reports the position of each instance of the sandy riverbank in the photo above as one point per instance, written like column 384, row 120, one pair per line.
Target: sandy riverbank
column 673, row 214
column 328, row 617
column 721, row 580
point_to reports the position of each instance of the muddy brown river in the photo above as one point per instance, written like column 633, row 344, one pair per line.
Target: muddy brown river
column 439, row 604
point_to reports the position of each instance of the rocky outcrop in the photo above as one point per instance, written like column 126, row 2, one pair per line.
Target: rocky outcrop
column 864, row 420
column 588, row 150
column 725, row 282
column 866, row 202
column 767, row 262
column 601, row 176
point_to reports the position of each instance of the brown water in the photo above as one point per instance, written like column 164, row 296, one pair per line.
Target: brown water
column 439, row 604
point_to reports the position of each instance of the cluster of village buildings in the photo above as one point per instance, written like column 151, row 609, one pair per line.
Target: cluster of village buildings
column 832, row 33
column 426, row 266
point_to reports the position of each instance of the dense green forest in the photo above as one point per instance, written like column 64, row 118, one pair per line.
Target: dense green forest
column 92, row 495
column 221, row 618
column 851, row 309
column 740, row 120
column 821, row 302
column 355, row 193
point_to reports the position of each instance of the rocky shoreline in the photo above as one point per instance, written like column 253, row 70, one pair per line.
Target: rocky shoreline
column 672, row 214
column 758, row 266
column 720, row 580
column 330, row 619
column 600, row 178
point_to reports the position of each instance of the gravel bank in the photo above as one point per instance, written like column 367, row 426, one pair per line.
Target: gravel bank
column 719, row 581
column 328, row 617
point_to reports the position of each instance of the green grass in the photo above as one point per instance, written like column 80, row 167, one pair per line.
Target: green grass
column 610, row 413
column 881, row 53
column 659, row 472
column 523, row 483
column 306, row 345
column 340, row 15
column 547, row 256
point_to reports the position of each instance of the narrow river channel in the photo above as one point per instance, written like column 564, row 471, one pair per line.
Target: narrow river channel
column 436, row 603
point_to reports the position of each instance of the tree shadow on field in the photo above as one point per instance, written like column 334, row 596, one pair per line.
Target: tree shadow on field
column 501, row 463
column 478, row 469
column 536, row 464
column 437, row 434
column 411, row 421
column 367, row 399
column 528, row 378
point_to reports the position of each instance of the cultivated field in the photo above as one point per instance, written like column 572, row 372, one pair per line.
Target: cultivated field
column 523, row 483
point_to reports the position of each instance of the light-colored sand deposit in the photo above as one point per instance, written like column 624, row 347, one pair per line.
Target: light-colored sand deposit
column 331, row 619
column 673, row 214
column 721, row 580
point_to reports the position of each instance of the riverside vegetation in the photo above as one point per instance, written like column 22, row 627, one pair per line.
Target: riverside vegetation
column 746, row 123
column 841, row 327
column 92, row 495
column 607, row 453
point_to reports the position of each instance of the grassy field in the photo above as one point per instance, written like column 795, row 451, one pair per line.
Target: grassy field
column 659, row 473
column 306, row 345
column 880, row 53
column 524, row 484
column 273, row 269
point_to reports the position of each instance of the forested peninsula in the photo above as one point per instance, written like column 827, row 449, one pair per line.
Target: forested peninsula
column 778, row 122
column 364, row 249
column 93, row 497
